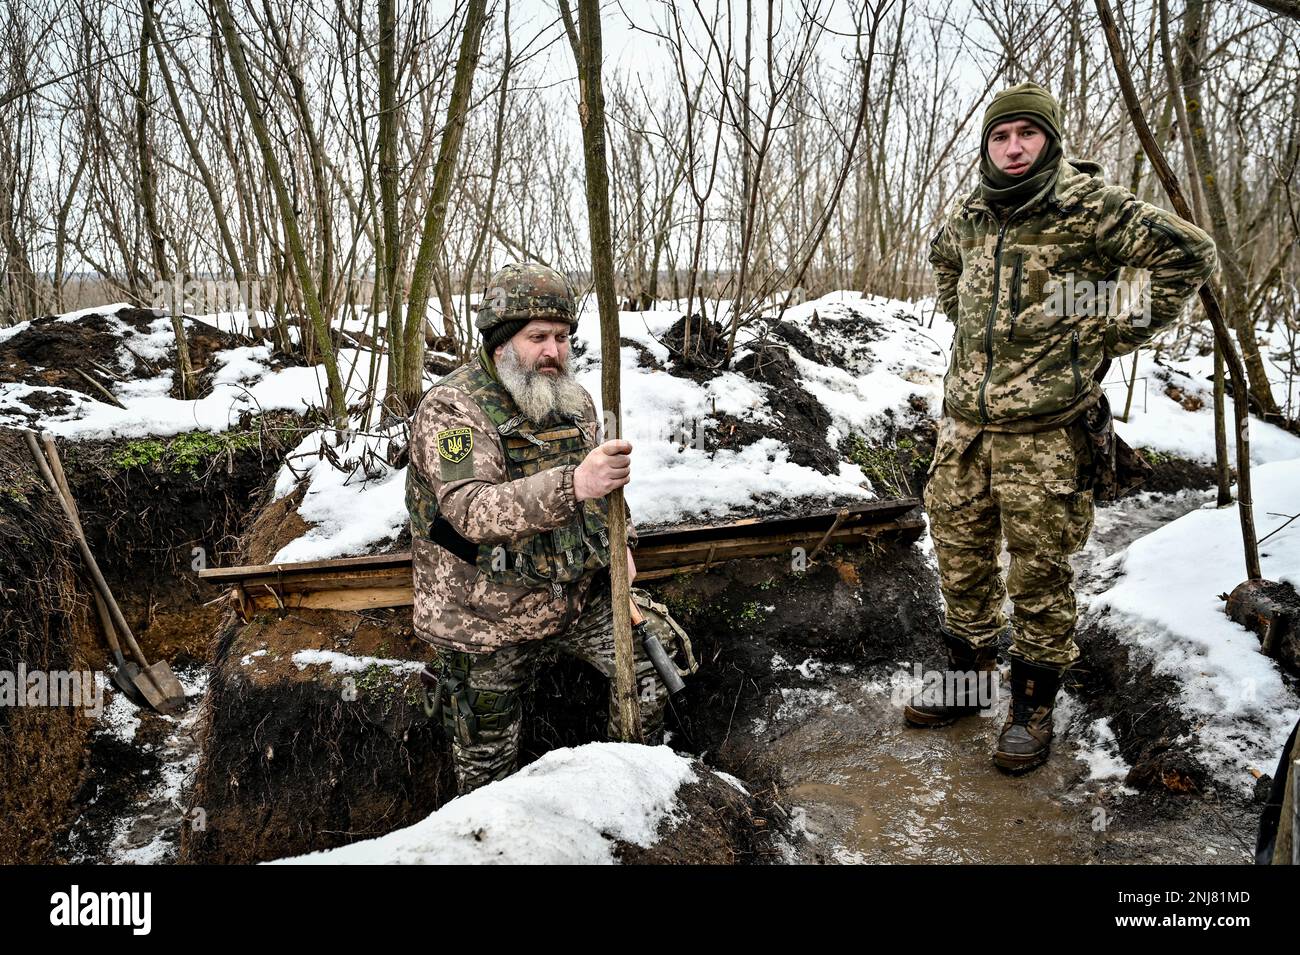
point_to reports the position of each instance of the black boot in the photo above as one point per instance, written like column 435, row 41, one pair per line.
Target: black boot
column 1027, row 734
column 966, row 668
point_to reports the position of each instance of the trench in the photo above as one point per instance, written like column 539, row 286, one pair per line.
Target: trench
column 814, row 724
column 863, row 787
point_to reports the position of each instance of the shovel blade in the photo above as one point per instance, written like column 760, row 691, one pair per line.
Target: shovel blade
column 170, row 691
column 144, row 687
column 126, row 684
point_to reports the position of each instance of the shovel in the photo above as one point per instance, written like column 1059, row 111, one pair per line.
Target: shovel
column 155, row 685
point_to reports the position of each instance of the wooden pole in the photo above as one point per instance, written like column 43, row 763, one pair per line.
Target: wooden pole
column 586, row 43
column 1209, row 298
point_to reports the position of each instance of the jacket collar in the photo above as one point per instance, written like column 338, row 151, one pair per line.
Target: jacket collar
column 1074, row 180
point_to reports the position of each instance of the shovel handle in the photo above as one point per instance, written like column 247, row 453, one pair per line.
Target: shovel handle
column 100, row 583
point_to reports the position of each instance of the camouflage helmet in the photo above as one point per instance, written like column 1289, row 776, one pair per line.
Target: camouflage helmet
column 521, row 293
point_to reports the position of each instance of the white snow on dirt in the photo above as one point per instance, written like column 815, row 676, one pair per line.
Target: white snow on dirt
column 568, row 808
column 1167, row 605
column 243, row 381
column 346, row 663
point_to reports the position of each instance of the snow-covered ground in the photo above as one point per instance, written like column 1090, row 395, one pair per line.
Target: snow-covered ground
column 1167, row 604
column 568, row 808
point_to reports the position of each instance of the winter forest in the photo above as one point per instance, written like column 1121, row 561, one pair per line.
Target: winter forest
column 243, row 238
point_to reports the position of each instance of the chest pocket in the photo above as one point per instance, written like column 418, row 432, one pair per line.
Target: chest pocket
column 1049, row 273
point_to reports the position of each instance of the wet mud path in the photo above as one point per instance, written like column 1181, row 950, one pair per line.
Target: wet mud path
column 865, row 788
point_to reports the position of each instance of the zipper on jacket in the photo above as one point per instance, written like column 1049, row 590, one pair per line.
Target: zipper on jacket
column 1169, row 232
column 1074, row 361
column 988, row 325
column 1017, row 275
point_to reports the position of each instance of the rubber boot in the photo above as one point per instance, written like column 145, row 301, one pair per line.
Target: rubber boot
column 966, row 664
column 1027, row 734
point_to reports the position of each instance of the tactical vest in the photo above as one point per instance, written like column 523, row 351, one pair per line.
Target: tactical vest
column 546, row 559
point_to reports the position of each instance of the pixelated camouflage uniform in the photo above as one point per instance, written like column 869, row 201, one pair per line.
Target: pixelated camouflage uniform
column 483, row 607
column 1011, row 453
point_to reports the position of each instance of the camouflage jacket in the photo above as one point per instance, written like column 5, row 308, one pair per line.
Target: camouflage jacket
column 455, row 605
column 1033, row 297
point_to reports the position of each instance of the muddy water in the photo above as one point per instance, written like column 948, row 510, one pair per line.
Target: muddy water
column 867, row 788
column 871, row 790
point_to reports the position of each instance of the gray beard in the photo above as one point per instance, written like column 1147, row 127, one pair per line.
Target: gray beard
column 538, row 395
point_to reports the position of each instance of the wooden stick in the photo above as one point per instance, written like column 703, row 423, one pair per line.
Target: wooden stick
column 113, row 399
column 100, row 583
column 591, row 113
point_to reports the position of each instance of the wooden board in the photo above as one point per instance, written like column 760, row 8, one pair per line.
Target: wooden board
column 359, row 583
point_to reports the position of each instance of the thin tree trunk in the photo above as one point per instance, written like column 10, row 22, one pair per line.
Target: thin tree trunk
column 1245, row 506
column 410, row 379
column 1234, row 276
column 149, row 199
column 301, row 267
column 591, row 112
column 1222, row 469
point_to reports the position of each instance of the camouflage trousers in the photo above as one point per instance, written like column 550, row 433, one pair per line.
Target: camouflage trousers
column 985, row 486
column 489, row 755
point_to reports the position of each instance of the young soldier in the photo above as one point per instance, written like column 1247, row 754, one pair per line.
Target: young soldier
column 506, row 490
column 1025, row 266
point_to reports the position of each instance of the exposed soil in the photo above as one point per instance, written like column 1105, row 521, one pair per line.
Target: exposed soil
column 152, row 518
column 296, row 760
column 715, row 824
column 44, row 626
column 1171, row 474
column 697, row 347
column 800, row 421
column 55, row 353
column 1152, row 733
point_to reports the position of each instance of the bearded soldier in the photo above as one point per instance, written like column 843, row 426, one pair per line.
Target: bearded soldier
column 1026, row 266
column 507, row 494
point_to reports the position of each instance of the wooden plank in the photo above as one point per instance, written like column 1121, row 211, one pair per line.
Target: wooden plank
column 219, row 575
column 369, row 598
column 760, row 546
column 703, row 544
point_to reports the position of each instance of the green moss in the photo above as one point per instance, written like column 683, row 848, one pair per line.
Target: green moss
column 887, row 467
column 1156, row 457
column 185, row 453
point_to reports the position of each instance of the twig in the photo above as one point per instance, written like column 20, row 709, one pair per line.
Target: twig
column 113, row 399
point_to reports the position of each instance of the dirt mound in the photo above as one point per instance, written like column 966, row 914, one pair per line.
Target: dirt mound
column 697, row 347
column 44, row 626
column 1170, row 474
column 801, row 422
column 715, row 824
column 854, row 333
column 1154, row 736
column 298, row 757
column 54, row 352
column 803, row 343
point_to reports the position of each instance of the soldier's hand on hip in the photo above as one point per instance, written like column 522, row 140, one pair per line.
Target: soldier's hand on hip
column 605, row 468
